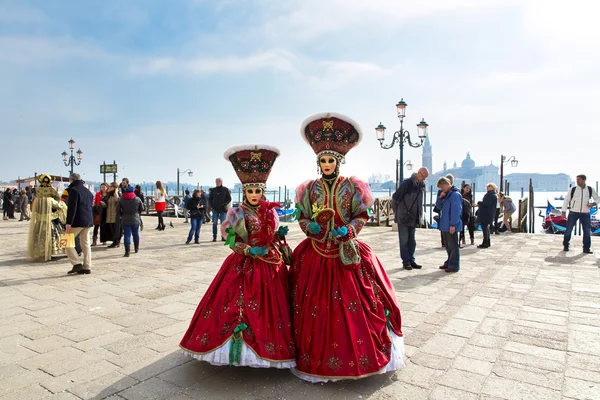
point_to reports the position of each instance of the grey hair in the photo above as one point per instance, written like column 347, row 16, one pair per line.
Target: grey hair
column 450, row 177
column 75, row 176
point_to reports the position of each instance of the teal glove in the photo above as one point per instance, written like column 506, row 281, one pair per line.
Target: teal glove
column 257, row 251
column 283, row 231
column 340, row 232
column 314, row 228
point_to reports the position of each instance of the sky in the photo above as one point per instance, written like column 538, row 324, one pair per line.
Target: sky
column 159, row 85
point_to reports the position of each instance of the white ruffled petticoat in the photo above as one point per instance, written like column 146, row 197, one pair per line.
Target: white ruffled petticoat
column 248, row 358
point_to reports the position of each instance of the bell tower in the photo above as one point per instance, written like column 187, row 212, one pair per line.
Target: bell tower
column 427, row 158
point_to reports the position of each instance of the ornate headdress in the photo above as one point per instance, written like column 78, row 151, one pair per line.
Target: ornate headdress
column 331, row 133
column 252, row 163
column 45, row 180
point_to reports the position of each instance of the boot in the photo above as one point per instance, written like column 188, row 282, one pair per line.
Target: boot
column 127, row 250
column 136, row 246
column 95, row 241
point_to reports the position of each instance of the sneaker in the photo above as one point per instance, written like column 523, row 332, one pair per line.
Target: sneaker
column 407, row 267
column 462, row 245
column 415, row 265
column 565, row 248
column 588, row 251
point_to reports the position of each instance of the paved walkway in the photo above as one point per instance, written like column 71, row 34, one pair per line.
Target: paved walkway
column 520, row 321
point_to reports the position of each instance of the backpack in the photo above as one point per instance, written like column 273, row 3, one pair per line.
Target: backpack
column 573, row 193
column 466, row 211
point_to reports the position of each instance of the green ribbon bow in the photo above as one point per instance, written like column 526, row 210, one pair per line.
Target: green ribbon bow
column 235, row 350
column 387, row 317
column 296, row 213
column 230, row 238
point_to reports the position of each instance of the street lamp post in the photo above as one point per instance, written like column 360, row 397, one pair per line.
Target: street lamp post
column 503, row 160
column 402, row 136
column 70, row 160
column 187, row 171
column 408, row 166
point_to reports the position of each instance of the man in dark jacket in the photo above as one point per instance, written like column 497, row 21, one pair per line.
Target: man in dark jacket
column 219, row 199
column 79, row 221
column 407, row 203
column 486, row 213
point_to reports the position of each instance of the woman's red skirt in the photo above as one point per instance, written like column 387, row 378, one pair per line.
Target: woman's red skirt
column 160, row 205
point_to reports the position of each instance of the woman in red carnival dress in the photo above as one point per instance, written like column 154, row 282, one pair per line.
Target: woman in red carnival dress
column 347, row 323
column 244, row 317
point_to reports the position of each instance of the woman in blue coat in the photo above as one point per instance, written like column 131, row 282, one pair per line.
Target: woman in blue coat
column 450, row 222
column 487, row 212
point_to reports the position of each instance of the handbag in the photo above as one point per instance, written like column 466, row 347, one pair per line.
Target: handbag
column 285, row 250
column 66, row 241
column 196, row 213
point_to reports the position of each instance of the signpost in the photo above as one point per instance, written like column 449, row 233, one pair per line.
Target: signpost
column 109, row 169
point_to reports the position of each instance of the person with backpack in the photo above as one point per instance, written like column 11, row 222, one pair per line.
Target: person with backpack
column 450, row 222
column 508, row 209
column 579, row 200
column 407, row 203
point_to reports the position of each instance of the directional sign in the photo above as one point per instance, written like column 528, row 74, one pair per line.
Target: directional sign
column 108, row 168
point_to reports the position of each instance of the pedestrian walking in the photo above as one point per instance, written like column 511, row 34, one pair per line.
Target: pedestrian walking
column 23, row 203
column 468, row 218
column 97, row 211
column 486, row 213
column 219, row 199
column 7, row 204
column 138, row 192
column 80, row 219
column 130, row 208
column 160, row 204
column 508, row 208
column 112, row 231
column 579, row 200
column 450, row 222
column 186, row 211
column 196, row 205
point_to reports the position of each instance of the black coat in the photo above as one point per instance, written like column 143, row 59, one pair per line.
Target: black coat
column 7, row 201
column 79, row 206
column 219, row 198
column 193, row 202
column 487, row 207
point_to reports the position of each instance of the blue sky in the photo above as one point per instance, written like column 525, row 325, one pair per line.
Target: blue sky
column 159, row 85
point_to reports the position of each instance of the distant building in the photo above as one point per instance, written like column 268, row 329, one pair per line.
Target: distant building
column 540, row 182
column 469, row 173
column 427, row 158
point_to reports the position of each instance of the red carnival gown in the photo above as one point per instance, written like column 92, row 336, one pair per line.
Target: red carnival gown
column 347, row 323
column 244, row 317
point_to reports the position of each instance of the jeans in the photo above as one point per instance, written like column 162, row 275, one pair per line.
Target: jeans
column 408, row 243
column 453, row 250
column 128, row 231
column 485, row 228
column 585, row 226
column 196, row 224
column 217, row 216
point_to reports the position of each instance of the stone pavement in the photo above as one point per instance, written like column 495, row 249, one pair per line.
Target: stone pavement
column 520, row 321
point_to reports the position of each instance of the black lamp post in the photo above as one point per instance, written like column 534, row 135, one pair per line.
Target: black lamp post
column 187, row 171
column 70, row 160
column 503, row 160
column 408, row 166
column 402, row 136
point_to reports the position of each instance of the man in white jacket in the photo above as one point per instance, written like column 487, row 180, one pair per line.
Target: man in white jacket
column 579, row 200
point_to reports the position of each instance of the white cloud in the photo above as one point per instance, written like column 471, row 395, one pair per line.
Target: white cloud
column 38, row 51
column 273, row 60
